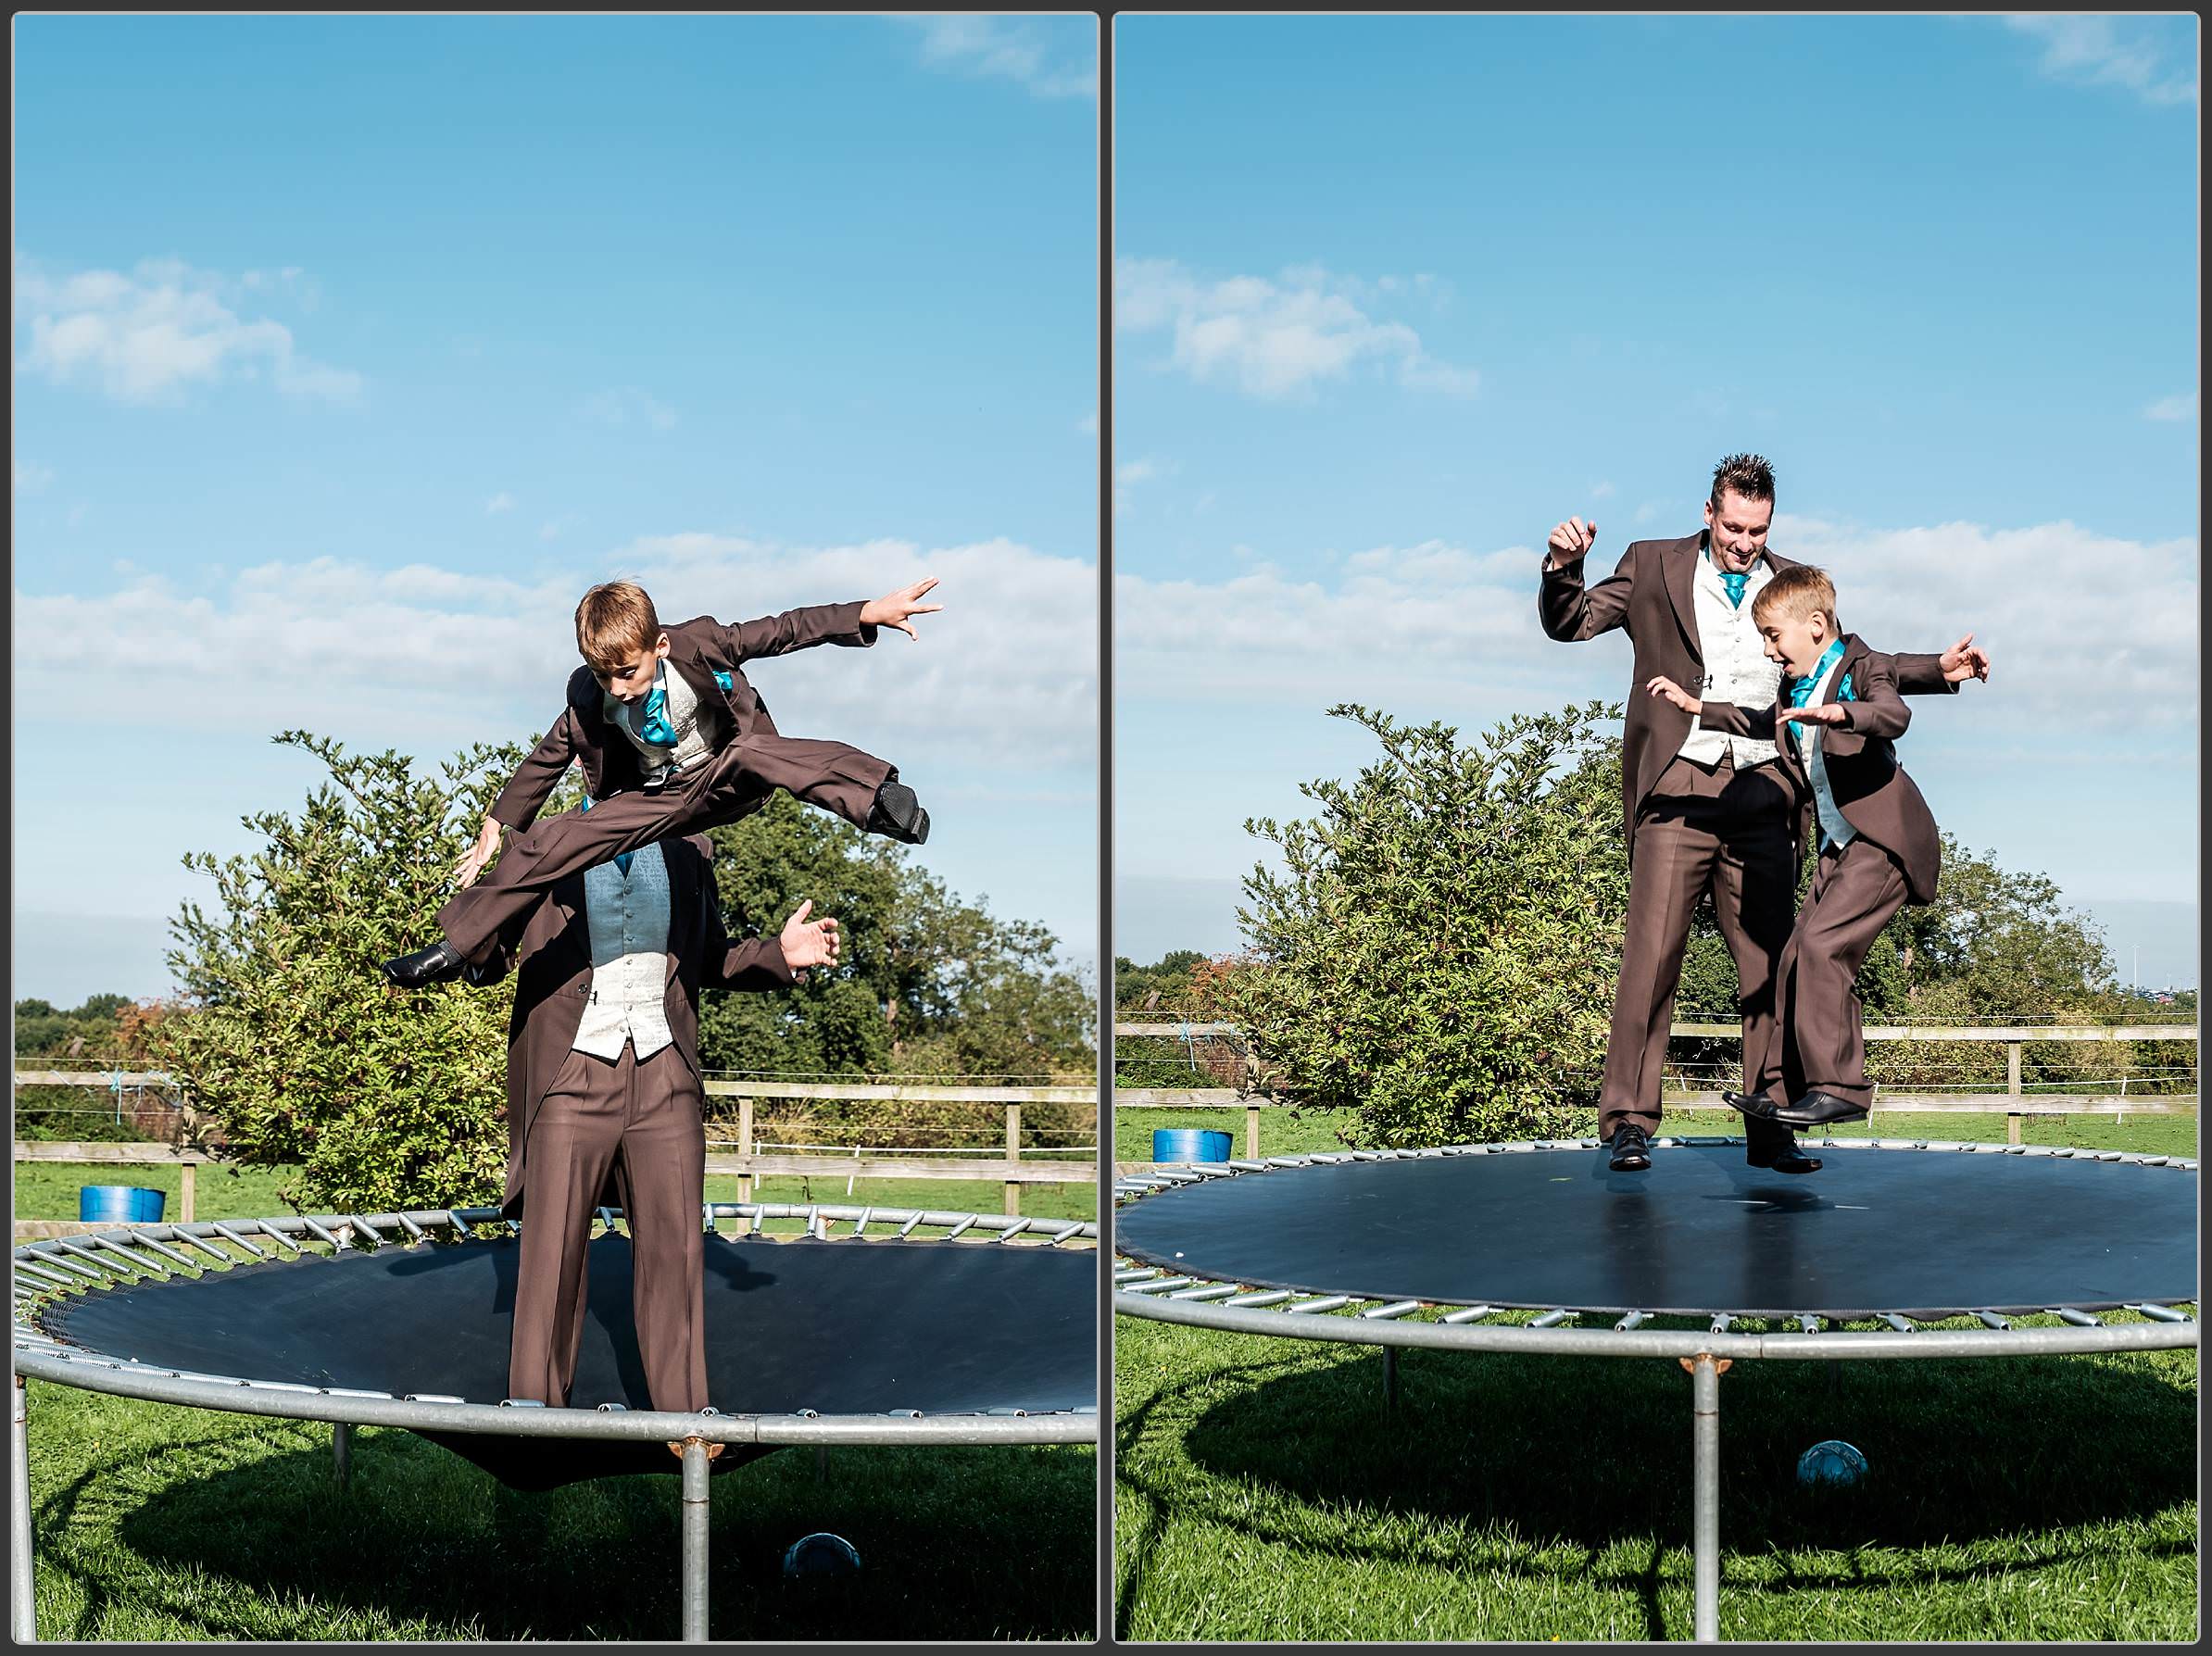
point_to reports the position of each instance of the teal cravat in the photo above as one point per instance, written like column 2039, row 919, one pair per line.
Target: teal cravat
column 654, row 727
column 1801, row 690
column 1735, row 583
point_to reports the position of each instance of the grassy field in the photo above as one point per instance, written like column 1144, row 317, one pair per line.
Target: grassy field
column 156, row 1523
column 1264, row 1494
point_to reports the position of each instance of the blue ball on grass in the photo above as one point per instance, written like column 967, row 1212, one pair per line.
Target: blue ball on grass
column 1831, row 1464
column 818, row 1555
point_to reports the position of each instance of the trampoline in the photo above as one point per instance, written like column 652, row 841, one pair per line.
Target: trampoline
column 1539, row 1247
column 874, row 1325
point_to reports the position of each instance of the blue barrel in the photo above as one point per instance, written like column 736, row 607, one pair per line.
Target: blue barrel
column 118, row 1204
column 1189, row 1143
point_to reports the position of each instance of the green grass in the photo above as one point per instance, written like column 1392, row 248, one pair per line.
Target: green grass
column 157, row 1522
column 1263, row 1493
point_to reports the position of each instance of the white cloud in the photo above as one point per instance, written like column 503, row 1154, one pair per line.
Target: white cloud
column 501, row 502
column 991, row 46
column 2096, row 631
column 31, row 478
column 147, row 336
column 1127, row 475
column 1280, row 337
column 625, row 404
column 2089, row 47
column 2183, row 407
column 1603, row 490
column 1008, row 672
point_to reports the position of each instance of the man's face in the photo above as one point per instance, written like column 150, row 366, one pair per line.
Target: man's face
column 630, row 678
column 1738, row 531
column 1795, row 642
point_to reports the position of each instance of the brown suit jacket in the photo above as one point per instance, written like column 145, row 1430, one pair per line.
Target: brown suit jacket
column 700, row 649
column 551, row 961
column 1651, row 594
column 1879, row 801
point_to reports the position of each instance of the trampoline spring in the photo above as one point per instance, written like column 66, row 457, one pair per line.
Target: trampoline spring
column 352, row 1391
column 2080, row 1319
column 1719, row 1324
column 1468, row 1313
column 1015, row 1229
column 614, row 1408
column 606, row 1217
column 912, row 1220
column 283, row 1385
column 167, row 1252
column 99, row 1258
column 23, row 1293
column 2162, row 1313
column 54, row 1273
column 324, row 1233
column 903, row 1413
column 1214, row 1290
column 72, row 1267
column 1809, row 1325
column 1160, row 1286
column 860, row 1225
column 1552, row 1319
column 432, row 1397
column 806, row 1414
column 1383, row 1313
column 1067, row 1231
column 152, row 1266
column 1006, row 1413
column 1327, row 1302
column 1284, row 1161
column 1900, row 1324
column 361, row 1227
column 1266, row 1297
column 228, row 1234
column 965, row 1222
column 415, row 1233
column 278, row 1236
column 1992, row 1320
column 1633, row 1320
column 1133, row 1273
column 1247, row 1167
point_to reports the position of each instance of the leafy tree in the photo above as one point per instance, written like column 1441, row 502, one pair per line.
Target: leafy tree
column 288, row 1033
column 1164, row 985
column 1439, row 951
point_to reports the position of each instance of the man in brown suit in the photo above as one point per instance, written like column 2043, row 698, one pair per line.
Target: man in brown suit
column 604, row 1100
column 1704, row 811
column 672, row 738
column 1879, row 849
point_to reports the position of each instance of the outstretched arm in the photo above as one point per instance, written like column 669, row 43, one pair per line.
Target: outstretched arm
column 1877, row 710
column 1942, row 675
column 761, row 963
column 1569, row 611
column 850, row 624
column 1759, row 724
column 524, row 795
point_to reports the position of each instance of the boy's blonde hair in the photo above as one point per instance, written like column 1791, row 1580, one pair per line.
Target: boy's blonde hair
column 614, row 622
column 1794, row 593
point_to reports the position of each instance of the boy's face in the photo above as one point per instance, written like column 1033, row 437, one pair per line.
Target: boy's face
column 1796, row 642
column 1737, row 530
column 628, row 680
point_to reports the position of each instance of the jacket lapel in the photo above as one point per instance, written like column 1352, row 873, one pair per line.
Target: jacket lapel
column 1679, row 565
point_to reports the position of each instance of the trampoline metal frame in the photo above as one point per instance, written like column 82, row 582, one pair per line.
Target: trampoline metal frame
column 1194, row 1299
column 52, row 1267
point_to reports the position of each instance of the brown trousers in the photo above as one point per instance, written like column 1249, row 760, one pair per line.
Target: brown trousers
column 1699, row 829
column 641, row 1121
column 733, row 783
column 1822, row 1040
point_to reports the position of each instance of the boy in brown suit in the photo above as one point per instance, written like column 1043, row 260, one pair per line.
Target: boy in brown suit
column 1879, row 850
column 671, row 739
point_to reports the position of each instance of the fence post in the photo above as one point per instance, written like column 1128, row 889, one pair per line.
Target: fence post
column 1014, row 1153
column 745, row 1153
column 2012, row 1092
column 1251, row 1132
column 185, row 1201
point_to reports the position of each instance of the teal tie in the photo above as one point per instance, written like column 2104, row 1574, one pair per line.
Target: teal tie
column 1801, row 690
column 1735, row 583
column 622, row 859
column 654, row 727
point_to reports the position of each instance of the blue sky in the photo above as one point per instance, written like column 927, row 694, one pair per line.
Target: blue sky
column 1395, row 294
column 347, row 351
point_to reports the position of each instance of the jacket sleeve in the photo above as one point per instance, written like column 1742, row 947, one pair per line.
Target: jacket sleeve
column 798, row 630
column 1880, row 710
column 1762, row 724
column 1921, row 675
column 1571, row 612
column 536, row 776
column 755, row 964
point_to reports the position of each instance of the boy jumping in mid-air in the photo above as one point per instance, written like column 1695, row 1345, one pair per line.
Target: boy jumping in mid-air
column 672, row 740
column 1878, row 844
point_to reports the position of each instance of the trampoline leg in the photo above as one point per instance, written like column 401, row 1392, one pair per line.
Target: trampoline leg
column 1389, row 1357
column 342, row 1451
column 1704, row 1403
column 22, row 1584
column 695, row 1540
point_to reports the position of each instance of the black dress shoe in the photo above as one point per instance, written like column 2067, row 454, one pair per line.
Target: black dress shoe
column 897, row 814
column 1781, row 1155
column 1631, row 1148
column 1758, row 1106
column 440, row 963
column 1817, row 1109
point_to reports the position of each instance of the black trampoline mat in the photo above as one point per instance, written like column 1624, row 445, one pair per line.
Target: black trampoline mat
column 1919, row 1233
column 844, row 1327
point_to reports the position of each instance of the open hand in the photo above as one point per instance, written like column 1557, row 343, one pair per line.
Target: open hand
column 1829, row 712
column 808, row 943
column 1665, row 689
column 1966, row 659
column 476, row 855
column 893, row 608
column 1571, row 542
